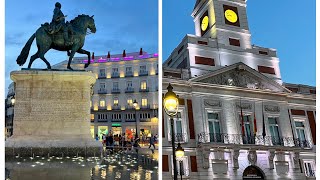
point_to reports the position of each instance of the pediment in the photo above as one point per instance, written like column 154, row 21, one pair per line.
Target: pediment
column 241, row 75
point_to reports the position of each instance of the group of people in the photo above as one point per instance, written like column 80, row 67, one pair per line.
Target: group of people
column 110, row 141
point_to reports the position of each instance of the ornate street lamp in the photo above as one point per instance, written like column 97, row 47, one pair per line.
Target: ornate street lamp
column 135, row 105
column 171, row 104
column 180, row 155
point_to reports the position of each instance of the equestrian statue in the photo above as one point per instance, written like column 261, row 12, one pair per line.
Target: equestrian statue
column 61, row 36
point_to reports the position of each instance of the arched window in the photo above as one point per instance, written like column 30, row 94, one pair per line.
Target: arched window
column 253, row 172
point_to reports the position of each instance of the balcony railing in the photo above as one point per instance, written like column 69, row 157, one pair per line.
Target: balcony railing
column 179, row 137
column 102, row 91
column 143, row 73
column 310, row 173
column 129, row 90
column 129, row 74
column 184, row 172
column 102, row 76
column 257, row 140
column 115, row 75
column 144, row 89
column 129, row 107
column 115, row 91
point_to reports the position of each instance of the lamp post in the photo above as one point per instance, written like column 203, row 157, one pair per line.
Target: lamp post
column 135, row 105
column 179, row 155
column 171, row 104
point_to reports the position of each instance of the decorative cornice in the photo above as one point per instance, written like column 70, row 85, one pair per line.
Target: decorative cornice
column 270, row 108
column 212, row 103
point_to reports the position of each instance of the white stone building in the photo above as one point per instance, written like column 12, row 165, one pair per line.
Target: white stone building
column 121, row 79
column 236, row 119
column 9, row 111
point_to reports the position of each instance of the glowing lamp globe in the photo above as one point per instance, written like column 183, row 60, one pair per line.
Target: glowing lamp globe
column 170, row 102
column 179, row 151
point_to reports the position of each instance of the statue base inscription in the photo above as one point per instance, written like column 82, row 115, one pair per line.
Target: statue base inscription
column 52, row 113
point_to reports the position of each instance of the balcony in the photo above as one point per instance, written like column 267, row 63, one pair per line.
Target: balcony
column 143, row 73
column 179, row 137
column 115, row 91
column 116, row 107
column 115, row 75
column 145, row 106
column 102, row 76
column 129, row 90
column 102, row 91
column 129, row 74
column 144, row 89
column 116, row 120
column 130, row 120
column 253, row 140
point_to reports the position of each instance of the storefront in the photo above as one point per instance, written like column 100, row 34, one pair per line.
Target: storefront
column 116, row 129
column 102, row 130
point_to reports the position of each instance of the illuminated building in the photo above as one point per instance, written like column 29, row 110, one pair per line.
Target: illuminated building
column 121, row 79
column 237, row 119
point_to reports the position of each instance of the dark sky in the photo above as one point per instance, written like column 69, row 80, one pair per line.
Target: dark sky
column 121, row 24
column 286, row 25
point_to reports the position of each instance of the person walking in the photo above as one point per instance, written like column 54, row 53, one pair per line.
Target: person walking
column 151, row 142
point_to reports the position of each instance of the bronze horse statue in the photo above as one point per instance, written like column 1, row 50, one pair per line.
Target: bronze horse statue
column 46, row 41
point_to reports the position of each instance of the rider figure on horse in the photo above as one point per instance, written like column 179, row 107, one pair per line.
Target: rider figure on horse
column 58, row 23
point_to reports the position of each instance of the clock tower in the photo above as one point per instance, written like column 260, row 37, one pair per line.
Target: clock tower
column 223, row 20
column 222, row 38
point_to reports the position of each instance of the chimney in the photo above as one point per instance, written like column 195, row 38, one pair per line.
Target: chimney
column 108, row 56
column 124, row 53
column 140, row 53
column 92, row 55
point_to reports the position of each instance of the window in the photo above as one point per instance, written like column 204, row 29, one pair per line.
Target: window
column 129, row 101
column 143, row 85
column 102, row 72
column 202, row 42
column 102, row 86
column 102, row 116
column 309, row 169
column 248, row 137
column 115, row 101
column 143, row 68
column 92, row 116
column 274, row 131
column 214, row 127
column 181, row 48
column 263, row 52
column 144, row 102
column 128, row 69
column 301, row 137
column 178, row 128
column 90, row 103
column 182, row 166
column 129, row 84
column 102, row 103
column 114, row 70
column 115, row 85
column 267, row 70
column 204, row 61
column 234, row 42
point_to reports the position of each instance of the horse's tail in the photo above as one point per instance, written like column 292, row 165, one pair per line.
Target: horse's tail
column 22, row 58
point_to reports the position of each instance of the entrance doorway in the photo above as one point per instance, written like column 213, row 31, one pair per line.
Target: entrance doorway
column 252, row 172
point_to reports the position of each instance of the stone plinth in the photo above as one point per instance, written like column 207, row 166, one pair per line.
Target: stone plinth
column 52, row 110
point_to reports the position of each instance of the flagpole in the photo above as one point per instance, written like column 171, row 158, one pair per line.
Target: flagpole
column 263, row 126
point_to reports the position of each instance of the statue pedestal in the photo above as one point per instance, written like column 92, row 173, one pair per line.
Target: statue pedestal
column 52, row 113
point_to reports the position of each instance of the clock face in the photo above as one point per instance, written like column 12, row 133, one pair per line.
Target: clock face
column 205, row 23
column 231, row 16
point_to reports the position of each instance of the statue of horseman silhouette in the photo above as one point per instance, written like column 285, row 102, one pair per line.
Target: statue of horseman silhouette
column 61, row 36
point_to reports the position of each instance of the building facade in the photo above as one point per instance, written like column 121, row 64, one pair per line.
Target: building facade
column 9, row 111
column 237, row 119
column 122, row 79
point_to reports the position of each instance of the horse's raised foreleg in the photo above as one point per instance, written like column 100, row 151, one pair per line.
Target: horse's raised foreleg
column 82, row 51
column 33, row 57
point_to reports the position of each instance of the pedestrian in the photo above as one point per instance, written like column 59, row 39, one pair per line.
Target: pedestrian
column 151, row 141
column 97, row 137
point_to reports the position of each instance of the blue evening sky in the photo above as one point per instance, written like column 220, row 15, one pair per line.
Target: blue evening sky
column 120, row 24
column 286, row 25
